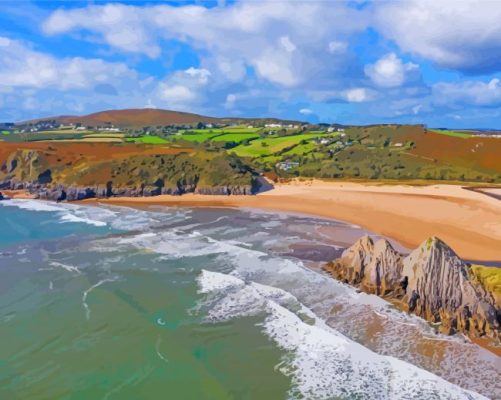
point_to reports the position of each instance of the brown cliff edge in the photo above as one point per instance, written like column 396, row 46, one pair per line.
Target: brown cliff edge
column 431, row 282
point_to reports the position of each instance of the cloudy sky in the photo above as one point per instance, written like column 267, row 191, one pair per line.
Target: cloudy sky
column 358, row 62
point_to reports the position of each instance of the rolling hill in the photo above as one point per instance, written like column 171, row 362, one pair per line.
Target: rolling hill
column 139, row 117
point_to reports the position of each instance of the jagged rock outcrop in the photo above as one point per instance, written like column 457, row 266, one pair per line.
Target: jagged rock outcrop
column 432, row 282
column 374, row 267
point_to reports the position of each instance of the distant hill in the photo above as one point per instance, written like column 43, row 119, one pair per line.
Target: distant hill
column 139, row 117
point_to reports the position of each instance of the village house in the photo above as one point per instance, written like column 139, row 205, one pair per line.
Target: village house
column 287, row 165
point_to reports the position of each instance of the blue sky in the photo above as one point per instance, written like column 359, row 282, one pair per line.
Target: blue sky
column 354, row 62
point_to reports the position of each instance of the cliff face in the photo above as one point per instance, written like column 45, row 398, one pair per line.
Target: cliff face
column 60, row 172
column 432, row 282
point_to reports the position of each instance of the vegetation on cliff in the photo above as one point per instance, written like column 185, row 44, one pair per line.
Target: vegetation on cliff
column 105, row 169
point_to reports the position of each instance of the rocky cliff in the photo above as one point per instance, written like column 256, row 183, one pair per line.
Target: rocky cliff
column 83, row 170
column 431, row 282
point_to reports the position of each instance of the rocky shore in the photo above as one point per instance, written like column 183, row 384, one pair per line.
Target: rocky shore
column 431, row 282
column 59, row 192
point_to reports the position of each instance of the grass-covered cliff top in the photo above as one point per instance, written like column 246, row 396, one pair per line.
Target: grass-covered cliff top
column 379, row 152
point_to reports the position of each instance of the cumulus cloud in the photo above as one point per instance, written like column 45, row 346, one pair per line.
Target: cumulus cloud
column 337, row 47
column 279, row 41
column 390, row 71
column 20, row 66
column 306, row 111
column 358, row 95
column 462, row 35
column 473, row 93
column 184, row 89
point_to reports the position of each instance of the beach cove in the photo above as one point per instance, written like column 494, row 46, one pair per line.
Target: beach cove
column 469, row 221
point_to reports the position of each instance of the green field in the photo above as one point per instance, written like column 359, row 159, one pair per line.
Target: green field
column 269, row 146
column 215, row 131
column 196, row 137
column 148, row 140
column 464, row 135
column 301, row 149
column 242, row 130
column 235, row 137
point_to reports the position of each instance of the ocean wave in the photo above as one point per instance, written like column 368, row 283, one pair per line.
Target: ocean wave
column 65, row 212
column 326, row 364
column 86, row 293
column 74, row 218
column 119, row 218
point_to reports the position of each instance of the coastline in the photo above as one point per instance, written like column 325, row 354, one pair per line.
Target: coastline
column 469, row 221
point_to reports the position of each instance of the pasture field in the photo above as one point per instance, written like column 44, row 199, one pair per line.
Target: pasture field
column 301, row 149
column 464, row 135
column 104, row 135
column 195, row 137
column 235, row 137
column 148, row 140
column 214, row 131
column 242, row 130
column 269, row 146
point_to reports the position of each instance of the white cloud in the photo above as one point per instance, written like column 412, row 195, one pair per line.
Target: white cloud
column 285, row 45
column 119, row 25
column 390, row 71
column 199, row 74
column 305, row 111
column 231, row 98
column 184, row 89
column 20, row 66
column 463, row 34
column 473, row 93
column 358, row 95
column 337, row 47
column 177, row 94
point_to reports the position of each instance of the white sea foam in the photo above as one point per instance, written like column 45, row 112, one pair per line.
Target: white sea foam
column 87, row 292
column 74, row 218
column 175, row 243
column 157, row 349
column 326, row 364
column 32, row 205
column 69, row 268
column 395, row 333
column 121, row 218
column 65, row 212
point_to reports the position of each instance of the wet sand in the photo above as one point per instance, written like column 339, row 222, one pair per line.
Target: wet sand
column 469, row 221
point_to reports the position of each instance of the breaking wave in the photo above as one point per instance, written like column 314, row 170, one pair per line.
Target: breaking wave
column 325, row 363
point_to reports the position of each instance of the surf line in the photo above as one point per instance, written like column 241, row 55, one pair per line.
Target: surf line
column 86, row 294
column 157, row 348
column 69, row 268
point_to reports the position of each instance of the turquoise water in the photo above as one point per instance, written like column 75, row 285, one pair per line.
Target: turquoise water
column 115, row 303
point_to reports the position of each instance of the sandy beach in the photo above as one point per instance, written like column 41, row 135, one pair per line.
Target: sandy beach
column 469, row 221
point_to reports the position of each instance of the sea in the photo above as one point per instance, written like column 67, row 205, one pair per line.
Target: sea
column 108, row 302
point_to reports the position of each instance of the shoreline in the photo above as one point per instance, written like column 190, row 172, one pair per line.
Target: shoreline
column 468, row 220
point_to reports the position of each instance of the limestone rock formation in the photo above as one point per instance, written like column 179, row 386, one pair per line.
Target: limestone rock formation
column 432, row 282
column 374, row 267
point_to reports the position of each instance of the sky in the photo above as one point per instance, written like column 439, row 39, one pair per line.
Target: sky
column 352, row 62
